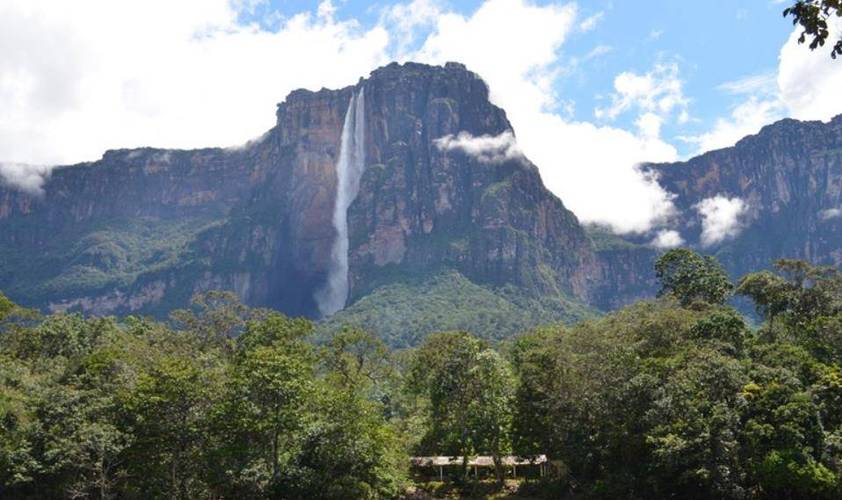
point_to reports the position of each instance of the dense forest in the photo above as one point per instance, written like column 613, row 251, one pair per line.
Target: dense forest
column 679, row 397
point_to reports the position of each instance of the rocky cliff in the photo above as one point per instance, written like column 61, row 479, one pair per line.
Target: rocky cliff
column 449, row 227
column 444, row 189
column 783, row 186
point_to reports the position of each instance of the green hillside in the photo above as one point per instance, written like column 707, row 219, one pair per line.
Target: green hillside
column 402, row 314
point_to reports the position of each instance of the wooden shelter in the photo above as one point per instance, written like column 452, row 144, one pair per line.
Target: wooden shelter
column 512, row 462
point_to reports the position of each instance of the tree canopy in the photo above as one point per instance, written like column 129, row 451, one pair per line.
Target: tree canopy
column 677, row 397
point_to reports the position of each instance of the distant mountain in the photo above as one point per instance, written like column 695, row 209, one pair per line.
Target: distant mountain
column 786, row 182
column 401, row 201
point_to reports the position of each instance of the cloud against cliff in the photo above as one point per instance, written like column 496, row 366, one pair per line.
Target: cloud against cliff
column 746, row 118
column 77, row 78
column 830, row 213
column 592, row 168
column 485, row 148
column 27, row 178
column 667, row 238
column 80, row 77
column 720, row 218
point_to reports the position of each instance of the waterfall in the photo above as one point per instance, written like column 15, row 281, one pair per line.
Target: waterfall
column 349, row 169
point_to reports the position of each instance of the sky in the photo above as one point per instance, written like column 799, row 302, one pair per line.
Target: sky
column 592, row 88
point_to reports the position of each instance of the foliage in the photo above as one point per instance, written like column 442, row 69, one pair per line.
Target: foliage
column 671, row 398
column 470, row 390
column 402, row 314
column 98, row 256
column 131, row 408
column 681, row 399
column 690, row 277
column 813, row 16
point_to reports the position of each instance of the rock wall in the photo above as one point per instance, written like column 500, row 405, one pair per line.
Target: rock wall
column 259, row 217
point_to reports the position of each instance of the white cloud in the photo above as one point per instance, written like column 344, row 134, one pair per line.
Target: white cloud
column 765, row 83
column 657, row 91
column 720, row 218
column 81, row 77
column 809, row 81
column 746, row 118
column 27, row 178
column 485, row 148
column 649, row 125
column 599, row 50
column 519, row 67
column 760, row 105
column 589, row 23
column 805, row 86
column 77, row 78
column 405, row 22
column 830, row 213
column 667, row 238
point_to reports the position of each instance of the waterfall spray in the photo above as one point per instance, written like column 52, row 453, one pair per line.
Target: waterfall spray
column 349, row 170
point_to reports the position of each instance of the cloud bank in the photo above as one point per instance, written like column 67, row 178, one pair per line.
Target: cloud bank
column 77, row 78
column 720, row 218
column 27, row 178
column 485, row 148
column 830, row 213
column 667, row 238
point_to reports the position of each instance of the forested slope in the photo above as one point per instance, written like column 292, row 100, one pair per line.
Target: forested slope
column 674, row 397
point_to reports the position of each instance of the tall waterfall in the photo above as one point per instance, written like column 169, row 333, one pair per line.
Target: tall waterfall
column 349, row 169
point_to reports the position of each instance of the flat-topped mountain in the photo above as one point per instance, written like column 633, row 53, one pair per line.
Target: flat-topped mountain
column 401, row 204
column 440, row 187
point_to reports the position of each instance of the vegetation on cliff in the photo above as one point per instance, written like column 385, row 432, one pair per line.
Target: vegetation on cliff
column 675, row 397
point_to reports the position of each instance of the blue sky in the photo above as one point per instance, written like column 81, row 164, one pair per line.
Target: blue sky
column 592, row 88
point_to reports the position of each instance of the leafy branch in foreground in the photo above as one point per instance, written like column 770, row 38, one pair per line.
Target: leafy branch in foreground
column 813, row 16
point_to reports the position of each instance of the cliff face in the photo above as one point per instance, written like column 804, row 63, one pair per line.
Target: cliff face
column 421, row 207
column 142, row 230
column 788, row 179
column 446, row 205
column 782, row 188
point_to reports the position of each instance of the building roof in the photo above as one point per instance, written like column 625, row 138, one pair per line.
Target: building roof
column 478, row 461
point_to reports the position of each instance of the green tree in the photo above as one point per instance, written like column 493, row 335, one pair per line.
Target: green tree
column 469, row 388
column 214, row 318
column 801, row 303
column 347, row 451
column 441, row 371
column 356, row 360
column 695, row 419
column 493, row 407
column 268, row 400
column 6, row 307
column 167, row 413
column 690, row 277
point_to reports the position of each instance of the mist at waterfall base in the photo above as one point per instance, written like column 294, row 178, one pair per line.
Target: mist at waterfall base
column 349, row 169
